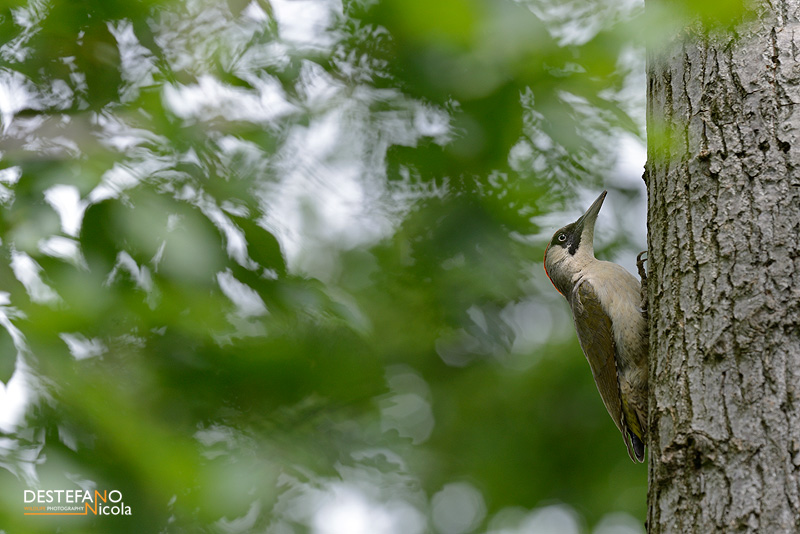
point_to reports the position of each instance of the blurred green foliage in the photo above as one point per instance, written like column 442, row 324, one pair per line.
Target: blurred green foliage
column 256, row 252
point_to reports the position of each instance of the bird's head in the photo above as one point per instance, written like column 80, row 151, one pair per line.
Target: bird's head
column 571, row 248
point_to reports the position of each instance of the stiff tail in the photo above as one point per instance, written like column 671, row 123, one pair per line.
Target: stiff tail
column 638, row 446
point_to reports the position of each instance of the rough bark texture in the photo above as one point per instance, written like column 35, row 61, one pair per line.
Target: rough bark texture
column 723, row 177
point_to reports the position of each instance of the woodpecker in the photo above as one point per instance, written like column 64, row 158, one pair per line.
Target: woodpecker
column 610, row 319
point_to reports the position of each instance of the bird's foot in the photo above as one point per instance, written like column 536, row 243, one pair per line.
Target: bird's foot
column 640, row 265
column 643, row 275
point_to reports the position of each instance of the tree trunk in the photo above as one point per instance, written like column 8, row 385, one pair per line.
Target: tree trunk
column 723, row 178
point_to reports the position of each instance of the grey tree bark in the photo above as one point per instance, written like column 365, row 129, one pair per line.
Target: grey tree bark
column 723, row 178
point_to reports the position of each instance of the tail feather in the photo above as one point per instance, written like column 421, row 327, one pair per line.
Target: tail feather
column 638, row 446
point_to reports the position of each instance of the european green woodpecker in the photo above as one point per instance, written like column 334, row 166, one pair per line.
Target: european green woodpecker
column 606, row 305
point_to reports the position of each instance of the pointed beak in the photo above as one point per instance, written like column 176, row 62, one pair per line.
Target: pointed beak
column 589, row 218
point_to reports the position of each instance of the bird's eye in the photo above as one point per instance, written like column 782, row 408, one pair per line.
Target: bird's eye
column 562, row 237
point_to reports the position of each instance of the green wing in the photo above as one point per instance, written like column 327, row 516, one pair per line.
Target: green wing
column 597, row 341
